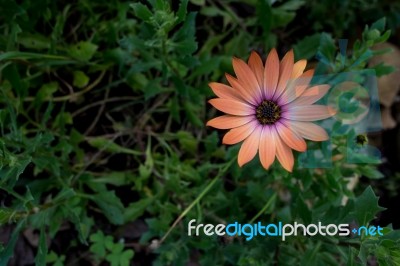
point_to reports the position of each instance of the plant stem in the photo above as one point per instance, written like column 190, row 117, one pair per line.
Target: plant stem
column 198, row 198
column 266, row 206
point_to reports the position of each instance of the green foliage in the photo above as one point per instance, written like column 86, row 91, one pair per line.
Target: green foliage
column 102, row 120
column 53, row 259
column 104, row 248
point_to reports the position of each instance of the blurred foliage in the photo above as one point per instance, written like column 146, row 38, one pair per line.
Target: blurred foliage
column 102, row 113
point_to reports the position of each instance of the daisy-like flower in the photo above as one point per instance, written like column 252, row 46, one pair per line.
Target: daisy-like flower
column 270, row 108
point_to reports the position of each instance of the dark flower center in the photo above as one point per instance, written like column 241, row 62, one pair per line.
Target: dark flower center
column 268, row 112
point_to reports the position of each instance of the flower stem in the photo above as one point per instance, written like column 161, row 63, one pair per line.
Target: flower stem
column 266, row 206
column 198, row 198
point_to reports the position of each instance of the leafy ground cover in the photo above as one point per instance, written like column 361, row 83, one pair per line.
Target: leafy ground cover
column 104, row 146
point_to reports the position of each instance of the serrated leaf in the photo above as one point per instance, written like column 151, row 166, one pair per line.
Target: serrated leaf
column 141, row 11
column 307, row 47
column 82, row 228
column 188, row 29
column 8, row 215
column 182, row 11
column 111, row 206
column 7, row 253
column 192, row 113
column 366, row 207
column 185, row 47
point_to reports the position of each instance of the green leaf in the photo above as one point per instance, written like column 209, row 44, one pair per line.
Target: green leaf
column 13, row 36
column 42, row 248
column 126, row 257
column 188, row 29
column 184, row 41
column 83, row 51
column 307, row 47
column 83, row 227
column 141, row 11
column 136, row 209
column 46, row 92
column 192, row 113
column 7, row 253
column 152, row 88
column 80, row 79
column 34, row 41
column 51, row 257
column 384, row 37
column 173, row 107
column 382, row 69
column 182, row 11
column 185, row 47
column 263, row 12
column 198, row 2
column 113, row 178
column 8, row 215
column 303, row 211
column 327, row 49
column 111, row 206
column 110, row 245
column 379, row 24
column 187, row 142
column 97, row 237
column 366, row 207
column 370, row 172
column 109, row 146
column 16, row 169
column 281, row 18
column 64, row 194
column 98, row 247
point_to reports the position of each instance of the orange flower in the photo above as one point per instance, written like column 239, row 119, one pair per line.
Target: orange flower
column 270, row 108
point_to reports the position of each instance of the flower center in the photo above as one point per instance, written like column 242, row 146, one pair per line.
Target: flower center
column 268, row 112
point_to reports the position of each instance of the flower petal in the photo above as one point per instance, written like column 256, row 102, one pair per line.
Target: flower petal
column 271, row 74
column 284, row 154
column 245, row 93
column 247, row 78
column 290, row 137
column 296, row 87
column 238, row 134
column 303, row 81
column 229, row 121
column 309, row 130
column 298, row 68
column 312, row 95
column 249, row 147
column 232, row 107
column 224, row 91
column 267, row 147
column 285, row 72
column 308, row 112
column 256, row 65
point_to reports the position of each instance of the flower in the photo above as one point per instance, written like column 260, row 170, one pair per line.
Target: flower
column 270, row 108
